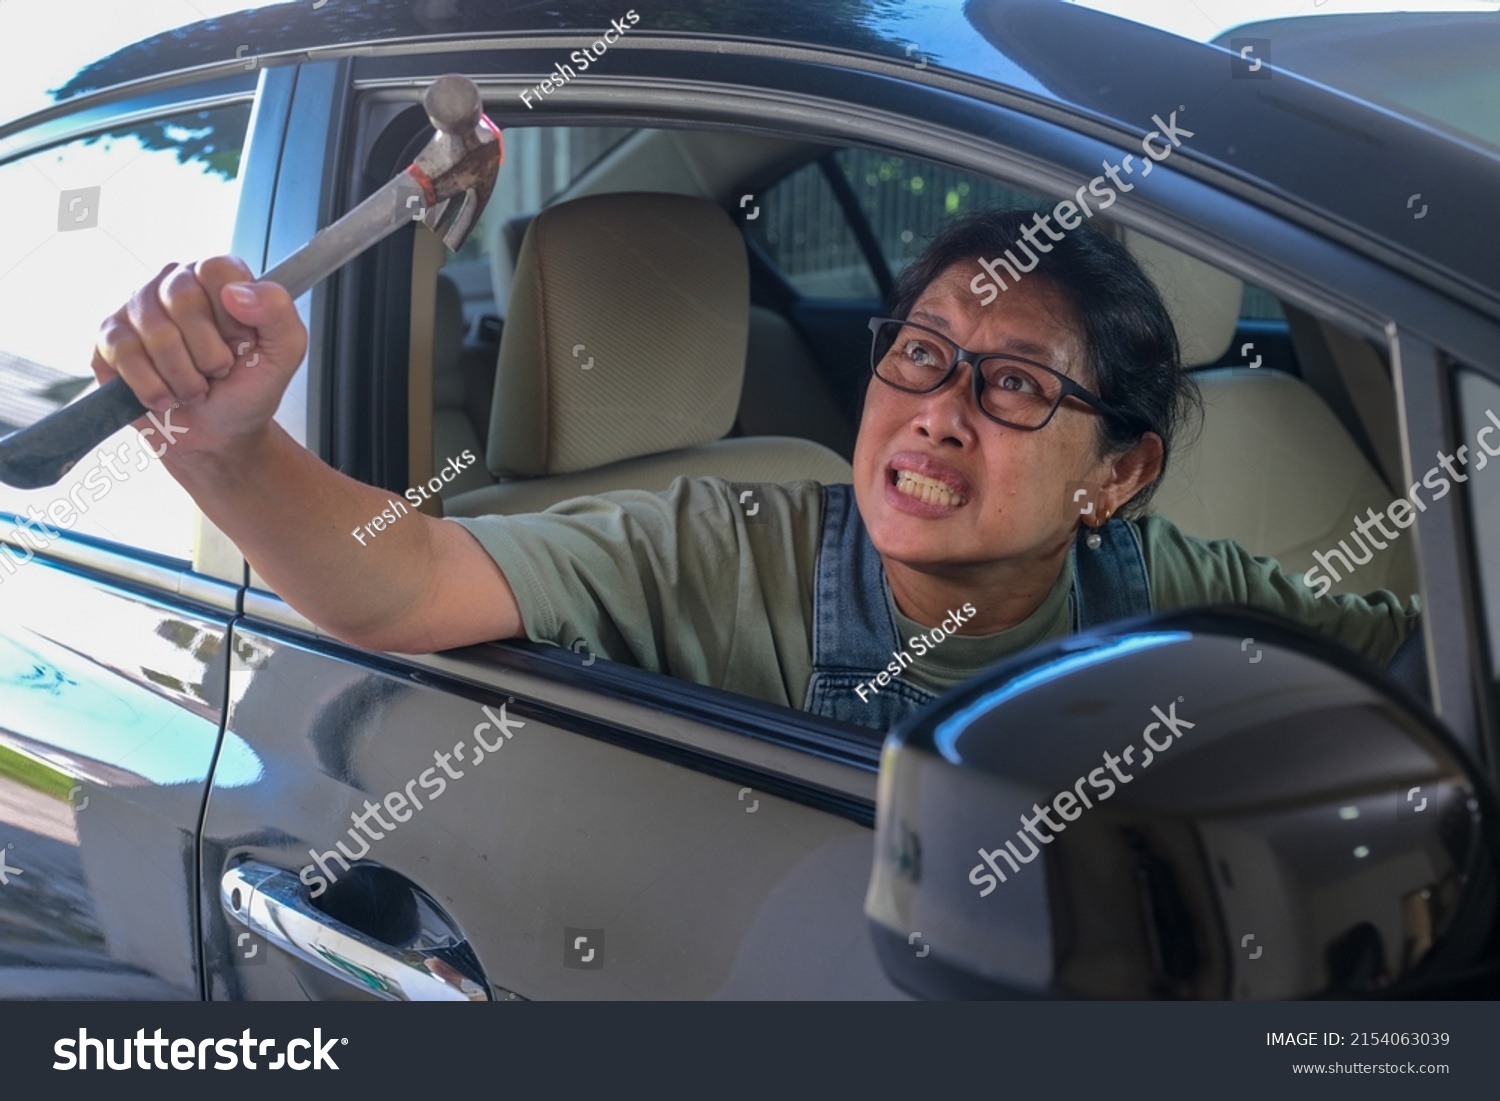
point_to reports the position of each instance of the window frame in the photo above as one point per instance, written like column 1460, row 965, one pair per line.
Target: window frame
column 864, row 233
column 1037, row 151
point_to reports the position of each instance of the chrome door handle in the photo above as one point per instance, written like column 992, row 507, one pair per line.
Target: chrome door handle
column 274, row 904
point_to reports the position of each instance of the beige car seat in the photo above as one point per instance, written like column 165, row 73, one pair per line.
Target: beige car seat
column 1273, row 469
column 779, row 362
column 622, row 359
column 460, row 416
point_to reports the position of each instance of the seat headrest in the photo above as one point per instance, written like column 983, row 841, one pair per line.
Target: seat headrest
column 1204, row 301
column 625, row 336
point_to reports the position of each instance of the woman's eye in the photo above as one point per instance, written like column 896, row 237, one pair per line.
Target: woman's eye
column 920, row 354
column 1017, row 382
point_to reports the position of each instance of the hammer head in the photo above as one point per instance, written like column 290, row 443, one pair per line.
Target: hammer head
column 460, row 162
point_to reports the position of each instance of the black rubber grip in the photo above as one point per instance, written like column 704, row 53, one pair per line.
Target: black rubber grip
column 42, row 453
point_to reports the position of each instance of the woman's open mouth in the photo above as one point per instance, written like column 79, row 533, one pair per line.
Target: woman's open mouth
column 919, row 486
column 927, row 490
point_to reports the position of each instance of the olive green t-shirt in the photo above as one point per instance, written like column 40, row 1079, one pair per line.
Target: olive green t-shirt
column 712, row 581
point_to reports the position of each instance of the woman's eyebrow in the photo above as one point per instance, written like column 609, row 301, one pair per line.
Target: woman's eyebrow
column 1030, row 350
column 1014, row 345
column 928, row 318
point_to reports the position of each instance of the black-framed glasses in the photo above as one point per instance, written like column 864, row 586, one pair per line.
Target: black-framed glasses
column 1010, row 390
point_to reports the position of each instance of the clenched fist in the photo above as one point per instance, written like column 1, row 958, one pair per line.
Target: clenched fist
column 208, row 339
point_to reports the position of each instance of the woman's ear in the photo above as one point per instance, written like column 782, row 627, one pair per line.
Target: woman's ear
column 1133, row 470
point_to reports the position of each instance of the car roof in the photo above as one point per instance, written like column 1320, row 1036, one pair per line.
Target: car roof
column 1353, row 170
column 1442, row 67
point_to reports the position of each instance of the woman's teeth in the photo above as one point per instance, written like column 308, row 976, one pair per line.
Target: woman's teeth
column 926, row 489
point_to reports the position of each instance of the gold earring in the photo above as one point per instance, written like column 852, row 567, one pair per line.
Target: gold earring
column 1094, row 538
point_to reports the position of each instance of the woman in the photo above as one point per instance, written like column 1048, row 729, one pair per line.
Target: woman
column 1005, row 457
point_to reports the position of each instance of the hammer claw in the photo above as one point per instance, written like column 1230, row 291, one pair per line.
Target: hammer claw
column 463, row 220
column 433, row 216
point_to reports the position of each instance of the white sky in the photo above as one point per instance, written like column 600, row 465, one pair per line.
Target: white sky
column 1204, row 20
column 43, row 43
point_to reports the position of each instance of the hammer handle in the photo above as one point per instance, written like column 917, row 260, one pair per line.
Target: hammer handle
column 42, row 453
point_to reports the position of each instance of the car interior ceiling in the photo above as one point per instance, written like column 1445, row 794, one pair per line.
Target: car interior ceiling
column 1287, row 453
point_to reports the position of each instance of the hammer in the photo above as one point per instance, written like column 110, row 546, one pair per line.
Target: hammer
column 460, row 162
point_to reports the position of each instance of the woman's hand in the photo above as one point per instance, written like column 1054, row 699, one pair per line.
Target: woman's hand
column 205, row 342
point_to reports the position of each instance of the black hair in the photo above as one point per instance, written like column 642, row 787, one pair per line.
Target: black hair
column 1129, row 341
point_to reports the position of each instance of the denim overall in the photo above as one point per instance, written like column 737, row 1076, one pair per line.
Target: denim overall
column 854, row 633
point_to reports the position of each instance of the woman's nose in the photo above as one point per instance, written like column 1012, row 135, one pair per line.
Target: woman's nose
column 949, row 410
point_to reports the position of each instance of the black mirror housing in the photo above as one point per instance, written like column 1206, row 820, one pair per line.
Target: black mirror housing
column 1204, row 804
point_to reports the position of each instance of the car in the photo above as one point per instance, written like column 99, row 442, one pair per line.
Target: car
column 205, row 797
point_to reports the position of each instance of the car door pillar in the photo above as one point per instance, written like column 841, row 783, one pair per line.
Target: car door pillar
column 1424, row 390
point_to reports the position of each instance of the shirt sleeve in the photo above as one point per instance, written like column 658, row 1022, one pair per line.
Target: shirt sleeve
column 1185, row 571
column 691, row 581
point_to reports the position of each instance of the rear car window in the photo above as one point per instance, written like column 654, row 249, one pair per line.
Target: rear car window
column 807, row 227
column 91, row 221
column 906, row 200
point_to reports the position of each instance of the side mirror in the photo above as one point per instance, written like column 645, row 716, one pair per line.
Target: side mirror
column 1193, row 805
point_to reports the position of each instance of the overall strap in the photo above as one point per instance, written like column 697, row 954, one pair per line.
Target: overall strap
column 1109, row 582
column 854, row 634
column 852, row 625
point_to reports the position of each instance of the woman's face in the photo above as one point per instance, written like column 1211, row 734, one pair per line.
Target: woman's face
column 1006, row 494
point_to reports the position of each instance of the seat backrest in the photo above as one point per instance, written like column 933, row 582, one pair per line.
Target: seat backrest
column 778, row 365
column 1273, row 468
column 1276, row 471
column 622, row 358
